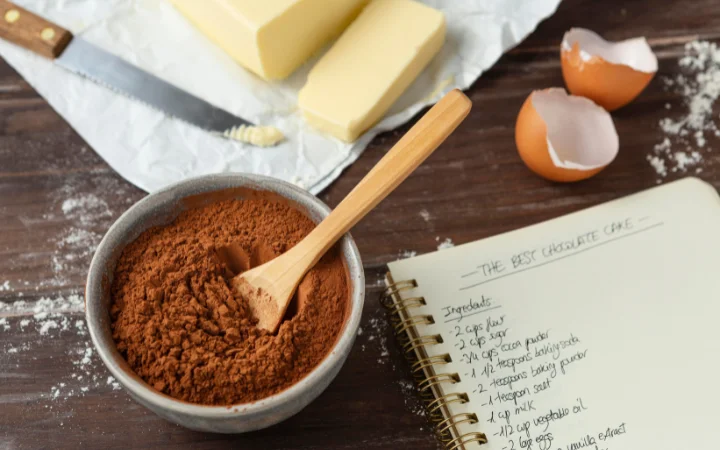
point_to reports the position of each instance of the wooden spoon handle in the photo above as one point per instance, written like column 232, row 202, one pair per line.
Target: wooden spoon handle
column 31, row 31
column 410, row 151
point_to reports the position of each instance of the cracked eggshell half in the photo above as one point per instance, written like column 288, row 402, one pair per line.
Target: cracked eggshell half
column 611, row 74
column 564, row 138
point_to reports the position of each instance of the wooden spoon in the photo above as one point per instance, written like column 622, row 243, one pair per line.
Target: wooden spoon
column 270, row 287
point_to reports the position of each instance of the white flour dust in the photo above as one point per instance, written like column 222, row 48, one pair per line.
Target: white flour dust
column 445, row 244
column 442, row 244
column 82, row 208
column 412, row 400
column 374, row 337
column 405, row 254
column 687, row 135
column 56, row 320
column 88, row 209
column 112, row 383
column 76, row 244
column 48, row 319
column 42, row 309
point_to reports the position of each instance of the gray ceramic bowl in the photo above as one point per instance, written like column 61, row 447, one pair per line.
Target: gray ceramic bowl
column 161, row 208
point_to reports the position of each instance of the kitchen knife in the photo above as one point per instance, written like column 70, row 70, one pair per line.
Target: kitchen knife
column 34, row 33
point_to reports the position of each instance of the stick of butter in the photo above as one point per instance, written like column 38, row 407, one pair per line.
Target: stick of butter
column 370, row 66
column 270, row 37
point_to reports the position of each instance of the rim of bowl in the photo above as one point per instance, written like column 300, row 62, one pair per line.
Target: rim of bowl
column 136, row 385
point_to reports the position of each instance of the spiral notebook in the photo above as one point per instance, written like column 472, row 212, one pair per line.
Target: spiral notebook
column 595, row 331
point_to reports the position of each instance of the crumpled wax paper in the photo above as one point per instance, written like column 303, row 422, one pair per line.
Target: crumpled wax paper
column 152, row 150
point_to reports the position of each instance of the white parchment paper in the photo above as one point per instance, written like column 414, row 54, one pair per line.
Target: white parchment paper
column 152, row 150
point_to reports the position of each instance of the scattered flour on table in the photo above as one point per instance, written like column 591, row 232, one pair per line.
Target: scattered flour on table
column 447, row 243
column 78, row 242
column 86, row 208
column 76, row 236
column 114, row 384
column 75, row 245
column 687, row 137
column 43, row 308
column 47, row 326
column 51, row 326
column 441, row 245
column 412, row 400
column 80, row 329
column 49, row 319
column 379, row 326
column 84, row 217
column 57, row 318
column 425, row 214
column 405, row 254
column 375, row 336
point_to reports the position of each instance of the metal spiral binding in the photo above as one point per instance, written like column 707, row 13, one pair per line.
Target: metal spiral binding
column 433, row 380
column 423, row 366
column 407, row 303
column 467, row 438
column 402, row 326
column 413, row 344
column 447, row 399
column 455, row 420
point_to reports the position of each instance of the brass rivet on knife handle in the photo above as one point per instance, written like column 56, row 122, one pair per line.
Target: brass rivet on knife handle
column 12, row 15
column 31, row 31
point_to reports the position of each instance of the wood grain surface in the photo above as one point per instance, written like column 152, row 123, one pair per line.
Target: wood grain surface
column 473, row 187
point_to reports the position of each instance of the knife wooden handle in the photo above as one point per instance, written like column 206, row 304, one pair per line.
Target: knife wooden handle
column 31, row 31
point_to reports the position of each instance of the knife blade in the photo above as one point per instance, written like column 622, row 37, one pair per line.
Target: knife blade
column 34, row 33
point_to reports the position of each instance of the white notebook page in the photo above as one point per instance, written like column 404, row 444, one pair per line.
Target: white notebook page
column 598, row 330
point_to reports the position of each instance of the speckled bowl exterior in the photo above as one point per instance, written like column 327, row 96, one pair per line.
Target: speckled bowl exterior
column 161, row 208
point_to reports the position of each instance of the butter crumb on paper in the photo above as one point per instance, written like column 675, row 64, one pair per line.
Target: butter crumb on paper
column 259, row 136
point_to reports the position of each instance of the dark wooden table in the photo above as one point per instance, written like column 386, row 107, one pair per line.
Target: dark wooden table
column 474, row 187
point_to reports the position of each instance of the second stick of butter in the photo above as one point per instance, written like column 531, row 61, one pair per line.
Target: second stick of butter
column 370, row 66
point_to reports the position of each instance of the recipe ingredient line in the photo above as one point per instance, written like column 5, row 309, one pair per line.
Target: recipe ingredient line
column 464, row 288
column 458, row 318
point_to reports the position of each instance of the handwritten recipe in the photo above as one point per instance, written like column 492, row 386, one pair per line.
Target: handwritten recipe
column 512, row 368
column 566, row 335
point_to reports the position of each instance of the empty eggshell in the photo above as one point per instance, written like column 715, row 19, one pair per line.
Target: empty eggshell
column 611, row 74
column 565, row 138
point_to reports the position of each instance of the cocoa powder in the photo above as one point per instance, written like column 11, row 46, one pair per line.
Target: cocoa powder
column 177, row 323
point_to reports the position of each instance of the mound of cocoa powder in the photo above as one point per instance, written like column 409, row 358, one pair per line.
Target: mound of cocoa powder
column 177, row 323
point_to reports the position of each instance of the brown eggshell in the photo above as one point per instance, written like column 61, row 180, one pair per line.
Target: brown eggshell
column 609, row 84
column 531, row 138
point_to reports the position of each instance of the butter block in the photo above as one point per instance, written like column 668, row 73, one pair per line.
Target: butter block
column 270, row 37
column 380, row 54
